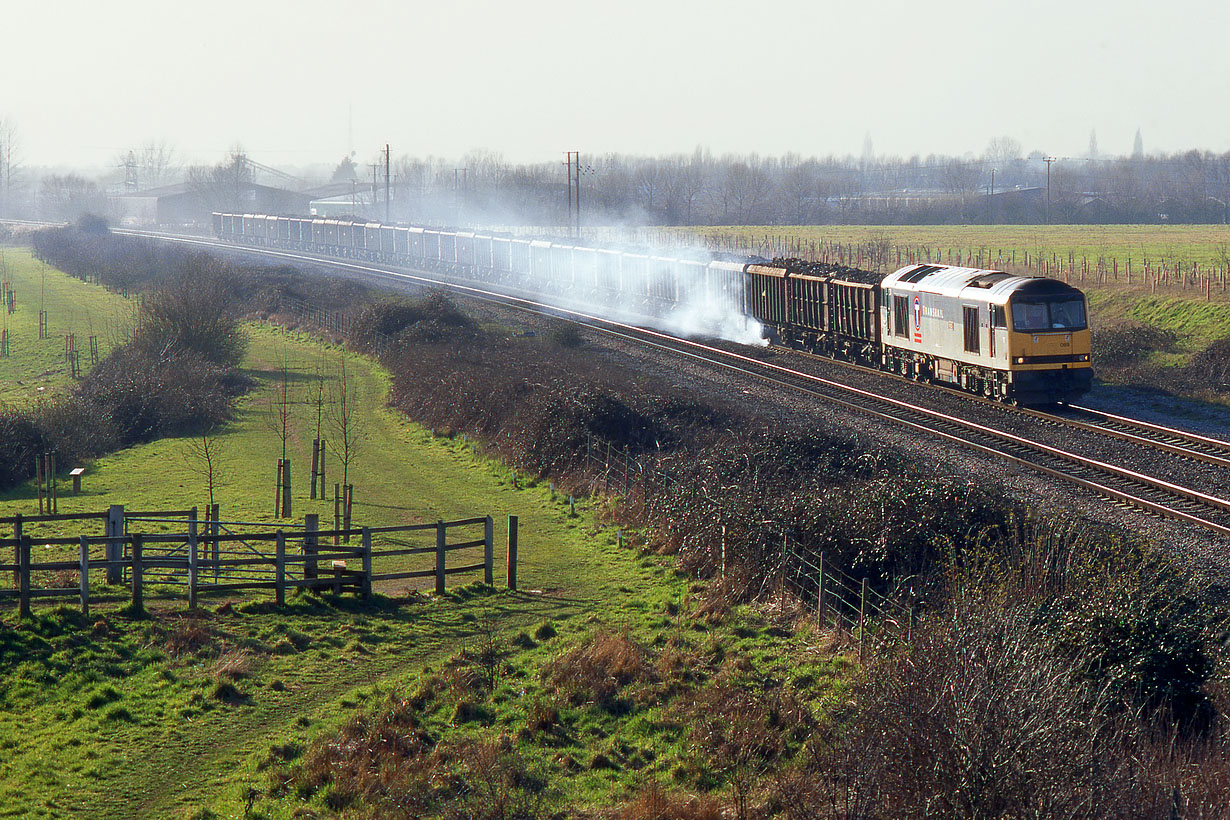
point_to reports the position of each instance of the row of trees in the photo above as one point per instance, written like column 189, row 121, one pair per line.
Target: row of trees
column 1003, row 184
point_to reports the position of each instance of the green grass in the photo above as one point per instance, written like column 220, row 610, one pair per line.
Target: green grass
column 36, row 367
column 1202, row 244
column 105, row 720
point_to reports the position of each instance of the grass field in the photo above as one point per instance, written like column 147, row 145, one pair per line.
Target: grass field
column 1201, row 244
column 36, row 366
column 159, row 717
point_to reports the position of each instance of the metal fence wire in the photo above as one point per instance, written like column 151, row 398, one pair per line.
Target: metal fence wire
column 847, row 603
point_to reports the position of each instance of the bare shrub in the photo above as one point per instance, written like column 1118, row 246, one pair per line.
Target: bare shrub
column 498, row 783
column 148, row 394
column 192, row 314
column 978, row 717
column 376, row 757
column 1128, row 344
column 599, row 670
column 742, row 734
column 1209, row 370
column 20, row 440
column 186, row 636
column 655, row 803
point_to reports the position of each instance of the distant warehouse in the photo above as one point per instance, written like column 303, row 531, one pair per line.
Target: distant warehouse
column 188, row 204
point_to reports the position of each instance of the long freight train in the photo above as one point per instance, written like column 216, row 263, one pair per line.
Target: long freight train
column 1012, row 338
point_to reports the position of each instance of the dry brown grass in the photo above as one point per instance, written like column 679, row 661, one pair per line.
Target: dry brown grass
column 232, row 665
column 187, row 636
column 598, row 671
column 655, row 803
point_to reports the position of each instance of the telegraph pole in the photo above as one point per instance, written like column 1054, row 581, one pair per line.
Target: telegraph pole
column 577, row 170
column 1048, row 161
column 386, row 182
column 568, row 163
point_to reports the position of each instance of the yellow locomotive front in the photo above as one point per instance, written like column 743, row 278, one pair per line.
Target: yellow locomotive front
column 1048, row 342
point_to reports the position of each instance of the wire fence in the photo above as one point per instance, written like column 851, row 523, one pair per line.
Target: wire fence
column 838, row 599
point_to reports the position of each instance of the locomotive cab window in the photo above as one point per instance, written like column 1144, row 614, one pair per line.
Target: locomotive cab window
column 1042, row 315
column 999, row 316
column 901, row 314
column 969, row 317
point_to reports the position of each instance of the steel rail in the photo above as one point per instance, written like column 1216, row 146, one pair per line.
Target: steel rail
column 1189, row 445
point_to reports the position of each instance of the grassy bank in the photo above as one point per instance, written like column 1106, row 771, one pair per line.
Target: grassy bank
column 172, row 713
column 36, row 367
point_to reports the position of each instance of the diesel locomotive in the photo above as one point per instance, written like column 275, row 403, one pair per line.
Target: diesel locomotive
column 1012, row 338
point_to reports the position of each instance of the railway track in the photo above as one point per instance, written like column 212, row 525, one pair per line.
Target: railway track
column 1154, row 495
column 1171, row 440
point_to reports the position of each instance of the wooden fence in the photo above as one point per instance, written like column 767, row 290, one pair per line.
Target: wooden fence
column 212, row 556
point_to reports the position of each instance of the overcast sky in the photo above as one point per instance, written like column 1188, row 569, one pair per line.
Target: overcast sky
column 290, row 81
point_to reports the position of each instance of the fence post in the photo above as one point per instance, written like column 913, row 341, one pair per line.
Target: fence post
column 440, row 540
column 138, row 601
column 366, row 583
column 279, row 565
column 192, row 558
column 23, row 570
column 347, row 505
column 315, row 463
column 337, row 513
column 512, row 552
column 781, row 576
column 85, row 576
column 286, row 488
column 17, row 549
column 115, row 531
column 820, row 594
column 862, row 614
column 489, row 551
column 215, row 529
column 311, row 524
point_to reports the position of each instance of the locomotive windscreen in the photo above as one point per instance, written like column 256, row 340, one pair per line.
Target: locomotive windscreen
column 1056, row 313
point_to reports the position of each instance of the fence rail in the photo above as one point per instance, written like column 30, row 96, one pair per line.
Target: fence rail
column 298, row 559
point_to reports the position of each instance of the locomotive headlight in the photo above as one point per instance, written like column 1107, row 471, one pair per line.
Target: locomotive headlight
column 1020, row 360
column 1084, row 357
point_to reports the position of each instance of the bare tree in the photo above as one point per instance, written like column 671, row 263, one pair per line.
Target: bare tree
column 347, row 430
column 204, row 453
column 9, row 162
column 65, row 198
column 222, row 186
column 157, row 164
column 279, row 414
column 747, row 188
column 1002, row 151
column 800, row 188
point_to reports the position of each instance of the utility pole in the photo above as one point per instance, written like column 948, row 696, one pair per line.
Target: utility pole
column 387, row 199
column 1048, row 161
column 573, row 164
column 568, row 176
column 374, row 166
